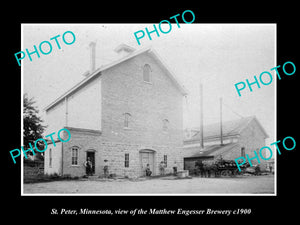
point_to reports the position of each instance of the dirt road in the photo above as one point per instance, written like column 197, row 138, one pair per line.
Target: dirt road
column 165, row 185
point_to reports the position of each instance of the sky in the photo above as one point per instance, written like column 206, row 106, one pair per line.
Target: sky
column 216, row 55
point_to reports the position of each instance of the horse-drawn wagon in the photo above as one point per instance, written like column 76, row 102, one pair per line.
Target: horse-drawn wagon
column 220, row 168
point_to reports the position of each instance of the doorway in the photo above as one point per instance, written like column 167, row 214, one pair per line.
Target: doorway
column 147, row 157
column 91, row 155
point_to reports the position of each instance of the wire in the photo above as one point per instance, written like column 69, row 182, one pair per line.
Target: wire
column 232, row 110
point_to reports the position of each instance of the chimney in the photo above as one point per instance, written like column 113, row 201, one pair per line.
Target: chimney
column 92, row 56
column 124, row 50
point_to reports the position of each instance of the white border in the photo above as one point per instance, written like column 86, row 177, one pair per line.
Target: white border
column 157, row 194
column 22, row 124
column 275, row 122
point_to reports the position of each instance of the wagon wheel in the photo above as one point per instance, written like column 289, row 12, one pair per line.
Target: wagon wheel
column 233, row 173
column 225, row 173
column 236, row 172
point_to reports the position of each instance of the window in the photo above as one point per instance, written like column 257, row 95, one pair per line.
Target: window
column 126, row 120
column 74, row 156
column 50, row 157
column 126, row 159
column 147, row 73
column 165, row 124
column 166, row 160
column 243, row 152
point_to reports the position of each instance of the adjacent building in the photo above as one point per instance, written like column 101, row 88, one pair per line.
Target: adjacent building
column 239, row 137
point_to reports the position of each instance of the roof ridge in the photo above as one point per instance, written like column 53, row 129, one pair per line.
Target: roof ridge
column 100, row 69
column 228, row 121
column 238, row 126
column 249, row 118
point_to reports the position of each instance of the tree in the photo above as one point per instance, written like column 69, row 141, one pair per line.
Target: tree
column 32, row 124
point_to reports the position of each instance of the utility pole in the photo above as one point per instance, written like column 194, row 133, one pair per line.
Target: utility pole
column 201, row 118
column 221, row 129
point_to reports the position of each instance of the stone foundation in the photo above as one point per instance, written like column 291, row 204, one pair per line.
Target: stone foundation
column 114, row 153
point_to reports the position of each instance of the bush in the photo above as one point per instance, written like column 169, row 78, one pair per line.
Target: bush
column 33, row 163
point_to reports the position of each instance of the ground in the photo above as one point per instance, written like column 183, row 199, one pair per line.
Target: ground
column 163, row 185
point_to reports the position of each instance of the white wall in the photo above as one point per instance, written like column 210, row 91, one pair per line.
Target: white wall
column 55, row 118
column 84, row 106
column 56, row 159
column 84, row 109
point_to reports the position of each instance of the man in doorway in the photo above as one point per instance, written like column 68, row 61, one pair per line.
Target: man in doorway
column 88, row 165
column 200, row 168
column 148, row 171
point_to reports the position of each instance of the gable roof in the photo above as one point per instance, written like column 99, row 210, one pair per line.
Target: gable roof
column 131, row 55
column 212, row 150
column 229, row 128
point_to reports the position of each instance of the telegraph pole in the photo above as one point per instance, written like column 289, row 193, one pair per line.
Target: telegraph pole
column 221, row 129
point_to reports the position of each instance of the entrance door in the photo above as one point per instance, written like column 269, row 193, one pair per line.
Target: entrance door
column 147, row 157
column 91, row 155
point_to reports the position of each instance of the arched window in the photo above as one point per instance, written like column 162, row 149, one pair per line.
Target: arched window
column 74, row 155
column 126, row 120
column 147, row 73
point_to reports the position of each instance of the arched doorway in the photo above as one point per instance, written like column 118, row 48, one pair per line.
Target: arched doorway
column 147, row 156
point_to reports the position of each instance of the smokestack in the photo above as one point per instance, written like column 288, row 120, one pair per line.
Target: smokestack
column 221, row 129
column 201, row 118
column 92, row 56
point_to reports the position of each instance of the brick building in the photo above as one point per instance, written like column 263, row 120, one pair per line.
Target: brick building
column 240, row 137
column 128, row 112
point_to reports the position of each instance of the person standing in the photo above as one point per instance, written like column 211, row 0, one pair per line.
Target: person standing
column 175, row 168
column 105, row 168
column 148, row 171
column 88, row 165
column 162, row 168
column 201, row 169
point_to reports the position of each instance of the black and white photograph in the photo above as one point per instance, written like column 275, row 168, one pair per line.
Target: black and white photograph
column 144, row 113
column 161, row 118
